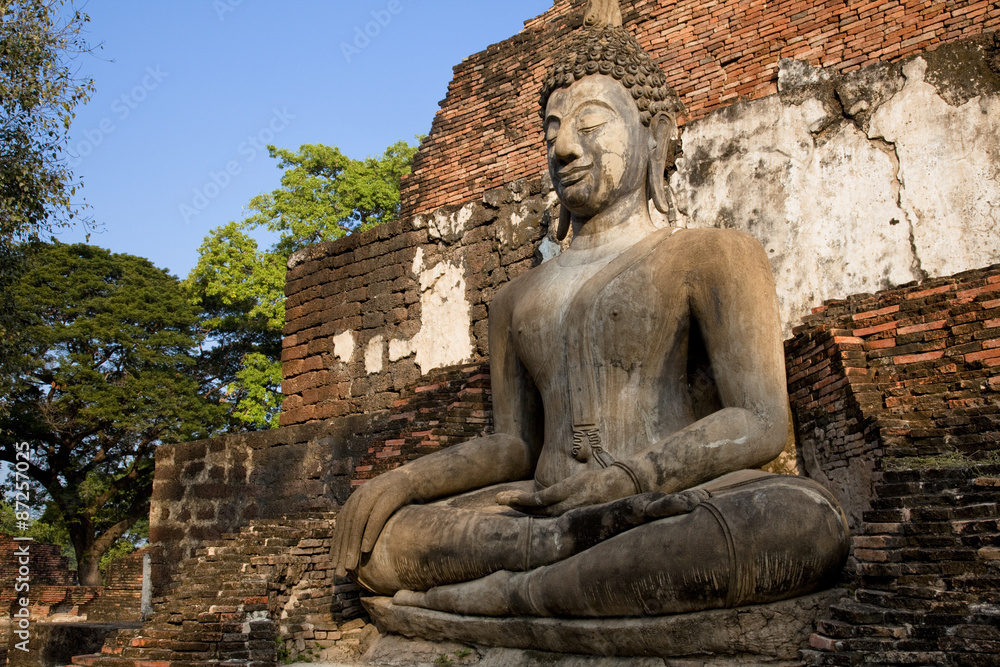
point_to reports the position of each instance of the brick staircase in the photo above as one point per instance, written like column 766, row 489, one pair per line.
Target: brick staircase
column 243, row 599
column 928, row 575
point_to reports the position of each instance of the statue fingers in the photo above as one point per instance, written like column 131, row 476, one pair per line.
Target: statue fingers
column 352, row 522
column 347, row 534
column 384, row 507
column 673, row 504
column 519, row 500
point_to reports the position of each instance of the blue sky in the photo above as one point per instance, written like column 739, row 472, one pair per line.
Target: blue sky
column 189, row 91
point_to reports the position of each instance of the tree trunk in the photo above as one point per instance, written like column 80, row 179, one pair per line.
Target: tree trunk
column 88, row 568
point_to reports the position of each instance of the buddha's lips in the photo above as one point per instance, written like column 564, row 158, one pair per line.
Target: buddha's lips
column 571, row 175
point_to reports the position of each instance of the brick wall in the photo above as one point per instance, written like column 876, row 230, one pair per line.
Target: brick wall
column 447, row 406
column 121, row 594
column 265, row 594
column 205, row 489
column 54, row 591
column 908, row 372
column 48, row 565
column 890, row 392
column 927, row 561
column 354, row 302
column 488, row 133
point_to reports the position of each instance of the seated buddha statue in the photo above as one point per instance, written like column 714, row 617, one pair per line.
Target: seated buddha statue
column 638, row 385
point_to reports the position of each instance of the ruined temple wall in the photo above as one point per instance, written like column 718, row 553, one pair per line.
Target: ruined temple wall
column 207, row 488
column 487, row 132
column 861, row 182
column 369, row 314
column 904, row 374
column 852, row 183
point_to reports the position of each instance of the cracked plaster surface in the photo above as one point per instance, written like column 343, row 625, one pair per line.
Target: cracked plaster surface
column 445, row 335
column 949, row 171
column 902, row 187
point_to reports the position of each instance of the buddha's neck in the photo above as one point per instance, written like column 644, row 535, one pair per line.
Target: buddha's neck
column 617, row 227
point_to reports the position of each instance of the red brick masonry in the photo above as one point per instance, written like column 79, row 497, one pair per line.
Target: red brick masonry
column 912, row 371
column 488, row 131
column 908, row 377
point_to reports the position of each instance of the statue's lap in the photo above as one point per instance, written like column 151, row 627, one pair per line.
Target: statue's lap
column 767, row 539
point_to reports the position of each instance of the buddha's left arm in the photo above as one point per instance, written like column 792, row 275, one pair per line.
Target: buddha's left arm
column 733, row 301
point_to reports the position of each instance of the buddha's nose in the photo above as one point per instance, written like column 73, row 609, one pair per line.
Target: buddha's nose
column 567, row 147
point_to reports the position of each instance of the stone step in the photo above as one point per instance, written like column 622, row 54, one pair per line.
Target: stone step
column 87, row 660
column 857, row 613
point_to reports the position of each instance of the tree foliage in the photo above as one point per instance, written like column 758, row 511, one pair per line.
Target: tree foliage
column 107, row 371
column 240, row 291
column 324, row 195
column 38, row 94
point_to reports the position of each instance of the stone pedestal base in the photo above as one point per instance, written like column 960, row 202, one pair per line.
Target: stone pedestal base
column 755, row 635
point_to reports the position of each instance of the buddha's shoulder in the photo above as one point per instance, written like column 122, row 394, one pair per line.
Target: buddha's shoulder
column 512, row 291
column 713, row 238
column 708, row 246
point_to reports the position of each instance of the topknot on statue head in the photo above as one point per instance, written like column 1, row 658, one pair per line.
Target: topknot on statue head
column 603, row 46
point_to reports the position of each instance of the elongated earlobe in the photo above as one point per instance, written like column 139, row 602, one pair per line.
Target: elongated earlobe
column 663, row 127
column 564, row 221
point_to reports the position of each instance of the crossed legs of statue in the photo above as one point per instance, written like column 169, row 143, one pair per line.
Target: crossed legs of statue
column 751, row 538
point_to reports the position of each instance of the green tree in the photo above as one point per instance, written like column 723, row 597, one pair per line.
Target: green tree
column 240, row 291
column 107, row 372
column 39, row 91
column 324, row 195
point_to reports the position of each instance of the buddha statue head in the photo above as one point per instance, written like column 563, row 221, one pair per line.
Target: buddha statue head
column 609, row 118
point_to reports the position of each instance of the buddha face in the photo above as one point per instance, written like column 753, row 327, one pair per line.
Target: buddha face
column 598, row 148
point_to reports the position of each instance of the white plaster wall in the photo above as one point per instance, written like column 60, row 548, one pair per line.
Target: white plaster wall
column 949, row 172
column 844, row 207
column 445, row 335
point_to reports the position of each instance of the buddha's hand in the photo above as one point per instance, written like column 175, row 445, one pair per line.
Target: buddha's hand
column 591, row 487
column 360, row 521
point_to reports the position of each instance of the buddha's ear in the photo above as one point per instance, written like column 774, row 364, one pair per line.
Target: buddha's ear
column 662, row 127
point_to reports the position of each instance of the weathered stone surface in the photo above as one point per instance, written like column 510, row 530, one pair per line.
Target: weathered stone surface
column 56, row 643
column 765, row 633
column 859, row 182
column 949, row 171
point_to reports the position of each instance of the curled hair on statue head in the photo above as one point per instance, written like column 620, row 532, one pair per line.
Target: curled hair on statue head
column 613, row 51
column 603, row 46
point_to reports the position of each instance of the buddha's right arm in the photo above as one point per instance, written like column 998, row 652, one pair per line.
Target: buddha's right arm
column 507, row 455
column 469, row 465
